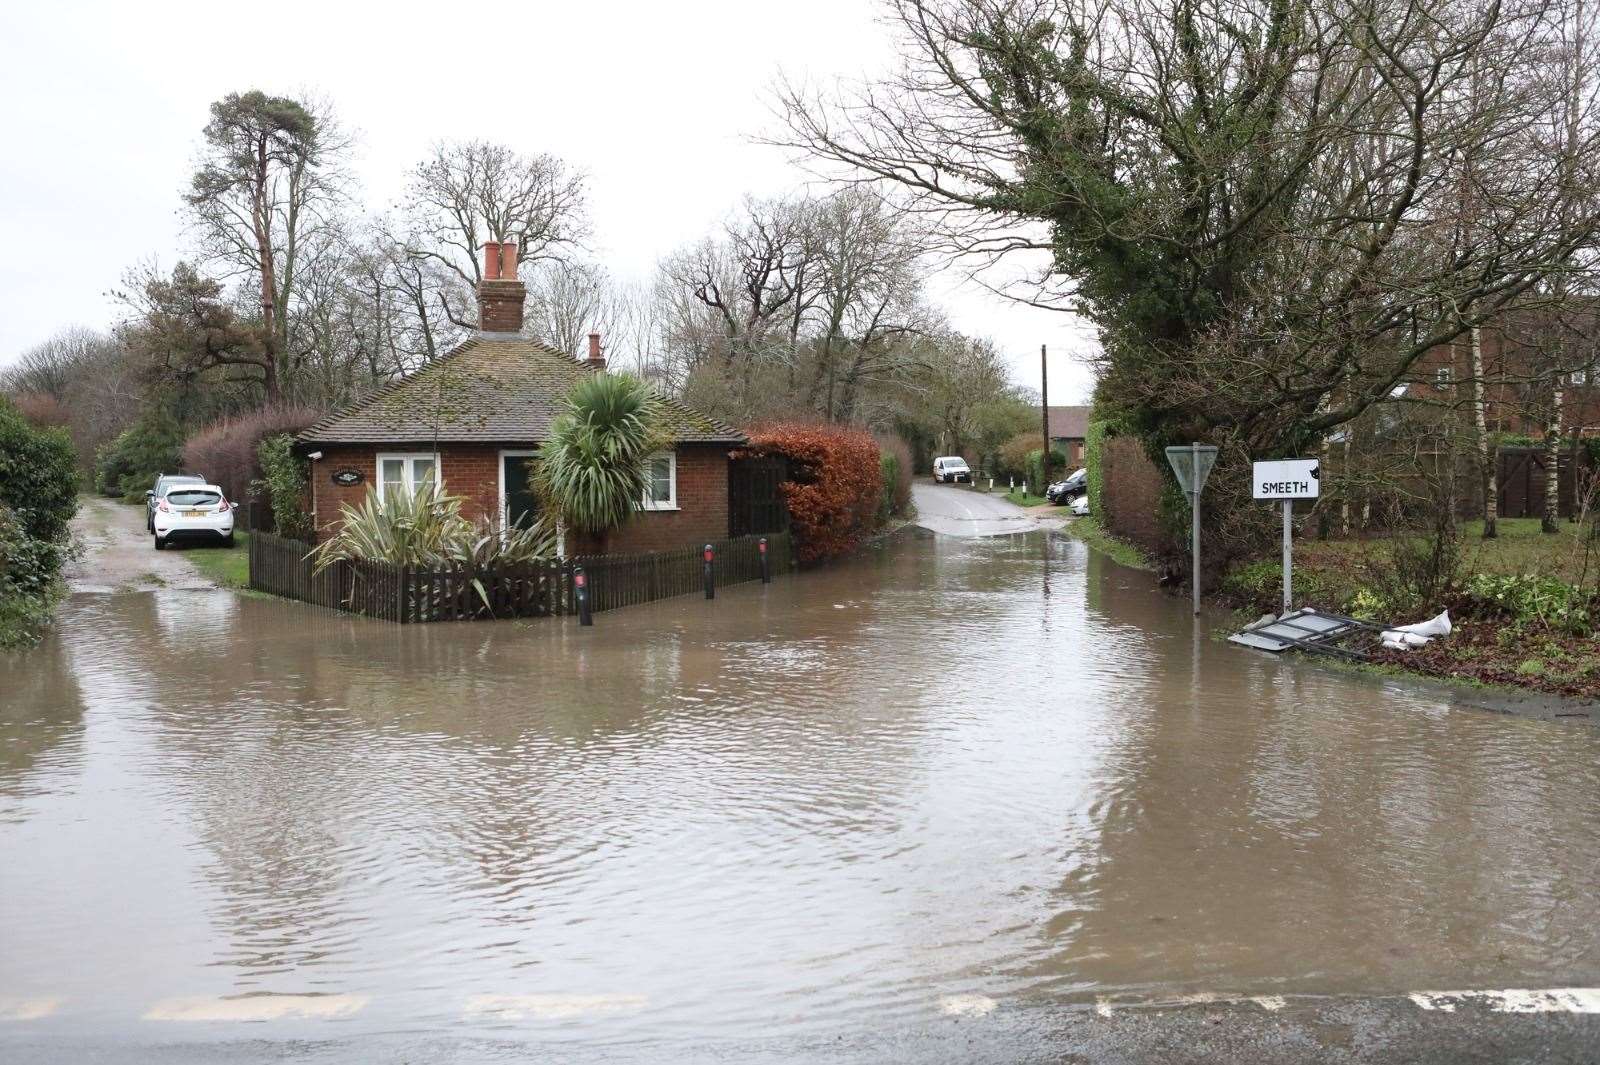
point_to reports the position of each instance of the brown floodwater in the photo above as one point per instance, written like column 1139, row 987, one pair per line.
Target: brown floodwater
column 1002, row 768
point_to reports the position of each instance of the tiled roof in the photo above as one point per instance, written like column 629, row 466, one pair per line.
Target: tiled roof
column 1069, row 423
column 493, row 388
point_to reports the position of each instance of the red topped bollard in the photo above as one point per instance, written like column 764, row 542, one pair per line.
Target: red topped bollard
column 580, row 586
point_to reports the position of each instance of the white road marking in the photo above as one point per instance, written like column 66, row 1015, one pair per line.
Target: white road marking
column 550, row 1007
column 255, row 1007
column 967, row 1005
column 1515, row 1000
column 27, row 1009
column 1510, row 1000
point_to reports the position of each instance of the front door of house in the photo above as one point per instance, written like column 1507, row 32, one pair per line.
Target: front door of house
column 518, row 497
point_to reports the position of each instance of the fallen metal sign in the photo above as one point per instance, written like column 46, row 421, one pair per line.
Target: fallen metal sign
column 1310, row 630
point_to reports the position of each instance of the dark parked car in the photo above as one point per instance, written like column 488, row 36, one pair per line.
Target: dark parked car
column 156, row 494
column 1064, row 492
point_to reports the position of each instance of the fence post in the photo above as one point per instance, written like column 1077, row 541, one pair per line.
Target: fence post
column 580, row 586
column 766, row 574
column 711, row 586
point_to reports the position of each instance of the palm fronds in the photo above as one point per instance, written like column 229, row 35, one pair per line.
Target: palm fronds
column 593, row 464
column 426, row 530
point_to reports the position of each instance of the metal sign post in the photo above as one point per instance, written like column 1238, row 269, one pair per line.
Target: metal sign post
column 1288, row 480
column 1192, row 465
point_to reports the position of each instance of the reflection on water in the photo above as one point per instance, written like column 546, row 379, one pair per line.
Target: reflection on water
column 998, row 767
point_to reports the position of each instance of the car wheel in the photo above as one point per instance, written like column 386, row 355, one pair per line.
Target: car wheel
column 227, row 541
column 161, row 545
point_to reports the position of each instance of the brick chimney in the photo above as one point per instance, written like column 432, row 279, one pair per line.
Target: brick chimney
column 500, row 294
column 596, row 361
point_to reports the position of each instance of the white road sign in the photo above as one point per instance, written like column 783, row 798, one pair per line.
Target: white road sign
column 1286, row 479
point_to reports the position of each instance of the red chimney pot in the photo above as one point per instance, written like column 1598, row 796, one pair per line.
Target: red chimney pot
column 491, row 261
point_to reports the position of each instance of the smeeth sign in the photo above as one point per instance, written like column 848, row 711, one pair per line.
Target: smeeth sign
column 1286, row 479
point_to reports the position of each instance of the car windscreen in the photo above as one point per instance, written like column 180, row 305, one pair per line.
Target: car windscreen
column 192, row 497
column 956, row 464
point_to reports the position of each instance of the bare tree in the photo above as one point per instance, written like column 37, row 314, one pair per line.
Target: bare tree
column 467, row 193
column 814, row 296
column 567, row 303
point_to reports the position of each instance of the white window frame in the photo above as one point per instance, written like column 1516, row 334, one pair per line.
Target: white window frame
column 410, row 471
column 1443, row 378
column 672, row 481
column 500, row 474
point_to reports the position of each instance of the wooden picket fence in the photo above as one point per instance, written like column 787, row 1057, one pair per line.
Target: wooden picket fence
column 405, row 594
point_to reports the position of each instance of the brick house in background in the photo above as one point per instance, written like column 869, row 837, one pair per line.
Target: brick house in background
column 1069, row 428
column 471, row 422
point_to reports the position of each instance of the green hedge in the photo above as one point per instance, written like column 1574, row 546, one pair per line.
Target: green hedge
column 1094, row 444
column 38, row 496
column 285, row 479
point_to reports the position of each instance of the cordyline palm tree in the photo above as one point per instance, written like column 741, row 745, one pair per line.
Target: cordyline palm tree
column 592, row 467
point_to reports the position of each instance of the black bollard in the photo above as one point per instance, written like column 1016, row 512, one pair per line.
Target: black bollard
column 711, row 584
column 766, row 572
column 580, row 583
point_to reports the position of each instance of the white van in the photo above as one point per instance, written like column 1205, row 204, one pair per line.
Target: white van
column 951, row 468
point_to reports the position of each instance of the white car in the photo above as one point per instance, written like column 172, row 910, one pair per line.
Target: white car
column 193, row 512
column 1080, row 506
column 951, row 468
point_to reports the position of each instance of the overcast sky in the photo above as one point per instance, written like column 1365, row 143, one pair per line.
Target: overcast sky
column 657, row 102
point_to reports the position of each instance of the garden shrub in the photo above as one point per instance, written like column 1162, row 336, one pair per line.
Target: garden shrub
column 227, row 452
column 1012, row 459
column 284, row 482
column 1259, row 585
column 1530, row 599
column 38, row 476
column 1021, row 457
column 895, row 465
column 38, row 496
column 1038, row 477
column 129, row 465
column 29, row 569
column 835, row 484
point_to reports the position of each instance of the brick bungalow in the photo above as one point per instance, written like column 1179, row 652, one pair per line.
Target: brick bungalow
column 472, row 422
column 1069, row 429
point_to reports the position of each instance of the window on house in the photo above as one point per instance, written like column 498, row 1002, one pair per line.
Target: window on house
column 661, row 481
column 407, row 473
column 1441, row 377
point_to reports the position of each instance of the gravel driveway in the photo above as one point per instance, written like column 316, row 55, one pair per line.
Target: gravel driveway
column 120, row 556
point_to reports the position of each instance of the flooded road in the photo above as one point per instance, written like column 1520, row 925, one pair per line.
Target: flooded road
column 950, row 778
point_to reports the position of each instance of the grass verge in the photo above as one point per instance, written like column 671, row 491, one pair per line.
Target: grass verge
column 229, row 568
column 1091, row 532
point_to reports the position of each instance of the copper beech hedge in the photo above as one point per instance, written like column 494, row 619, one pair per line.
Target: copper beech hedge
column 834, row 486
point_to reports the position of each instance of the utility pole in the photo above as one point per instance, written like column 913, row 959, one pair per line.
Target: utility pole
column 1044, row 417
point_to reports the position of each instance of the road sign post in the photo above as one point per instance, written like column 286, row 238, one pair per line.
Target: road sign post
column 1192, row 465
column 1287, row 480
